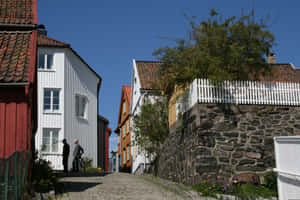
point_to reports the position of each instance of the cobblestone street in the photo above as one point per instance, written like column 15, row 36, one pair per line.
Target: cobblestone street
column 124, row 186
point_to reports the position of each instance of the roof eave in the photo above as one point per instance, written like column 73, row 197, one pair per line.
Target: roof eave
column 14, row 84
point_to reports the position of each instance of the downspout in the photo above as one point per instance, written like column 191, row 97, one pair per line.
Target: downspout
column 98, row 90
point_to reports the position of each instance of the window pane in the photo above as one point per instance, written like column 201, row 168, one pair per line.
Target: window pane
column 46, row 141
column 55, row 99
column 54, row 141
column 47, row 106
column 84, row 106
column 55, row 107
column 77, row 105
column 41, row 61
column 55, row 93
column 49, row 61
column 47, row 99
column 47, row 93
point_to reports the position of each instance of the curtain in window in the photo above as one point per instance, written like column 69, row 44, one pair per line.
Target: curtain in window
column 55, row 141
column 46, row 141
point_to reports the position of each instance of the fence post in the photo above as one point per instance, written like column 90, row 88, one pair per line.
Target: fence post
column 6, row 179
column 16, row 155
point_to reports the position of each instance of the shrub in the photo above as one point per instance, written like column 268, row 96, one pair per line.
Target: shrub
column 43, row 178
column 87, row 162
column 269, row 180
column 212, row 187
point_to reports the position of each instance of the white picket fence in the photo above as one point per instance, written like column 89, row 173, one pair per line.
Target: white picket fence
column 240, row 92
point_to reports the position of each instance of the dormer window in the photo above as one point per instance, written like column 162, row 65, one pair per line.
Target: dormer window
column 45, row 61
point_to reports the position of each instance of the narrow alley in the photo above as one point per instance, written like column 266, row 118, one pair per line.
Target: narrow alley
column 125, row 186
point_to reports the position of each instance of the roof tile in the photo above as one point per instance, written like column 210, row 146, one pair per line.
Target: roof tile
column 50, row 42
column 18, row 12
column 15, row 53
column 148, row 73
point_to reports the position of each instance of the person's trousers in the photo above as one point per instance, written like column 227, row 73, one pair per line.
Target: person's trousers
column 76, row 164
column 65, row 164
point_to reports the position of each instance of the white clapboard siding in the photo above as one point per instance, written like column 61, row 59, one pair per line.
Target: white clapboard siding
column 240, row 92
column 51, row 79
column 79, row 80
column 71, row 76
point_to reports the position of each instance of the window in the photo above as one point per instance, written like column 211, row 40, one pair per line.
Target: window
column 128, row 152
column 124, row 107
column 124, row 131
column 81, row 106
column 45, row 61
column 50, row 140
column 124, row 156
column 51, row 99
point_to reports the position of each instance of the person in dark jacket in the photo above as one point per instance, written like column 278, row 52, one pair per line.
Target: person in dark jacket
column 78, row 151
column 66, row 153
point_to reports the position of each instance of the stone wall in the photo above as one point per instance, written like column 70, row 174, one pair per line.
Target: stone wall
column 225, row 140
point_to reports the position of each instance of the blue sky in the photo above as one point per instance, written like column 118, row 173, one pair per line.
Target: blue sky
column 109, row 34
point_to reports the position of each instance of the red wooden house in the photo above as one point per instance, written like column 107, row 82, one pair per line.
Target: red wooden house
column 18, row 74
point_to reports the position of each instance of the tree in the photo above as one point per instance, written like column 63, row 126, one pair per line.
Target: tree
column 218, row 49
column 151, row 127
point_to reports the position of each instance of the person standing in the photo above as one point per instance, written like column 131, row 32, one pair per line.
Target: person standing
column 66, row 153
column 78, row 151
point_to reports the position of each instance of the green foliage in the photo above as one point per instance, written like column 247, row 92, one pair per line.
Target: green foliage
column 94, row 170
column 270, row 180
column 250, row 190
column 43, row 178
column 218, row 49
column 212, row 187
column 87, row 162
column 151, row 126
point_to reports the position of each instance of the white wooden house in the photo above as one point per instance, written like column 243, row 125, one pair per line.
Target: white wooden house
column 144, row 75
column 67, row 102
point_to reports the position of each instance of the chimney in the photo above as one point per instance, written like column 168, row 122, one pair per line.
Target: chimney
column 42, row 30
column 271, row 58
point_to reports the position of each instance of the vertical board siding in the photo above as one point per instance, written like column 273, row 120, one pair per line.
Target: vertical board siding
column 21, row 118
column 2, row 129
column 14, row 133
column 80, row 80
column 240, row 92
column 10, row 128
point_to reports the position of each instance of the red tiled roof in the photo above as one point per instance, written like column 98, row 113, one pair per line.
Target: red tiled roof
column 18, row 12
column 16, row 55
column 127, row 92
column 50, row 42
column 148, row 73
column 283, row 73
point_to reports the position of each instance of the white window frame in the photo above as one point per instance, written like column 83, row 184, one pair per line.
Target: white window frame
column 51, row 130
column 45, row 67
column 80, row 98
column 52, row 110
